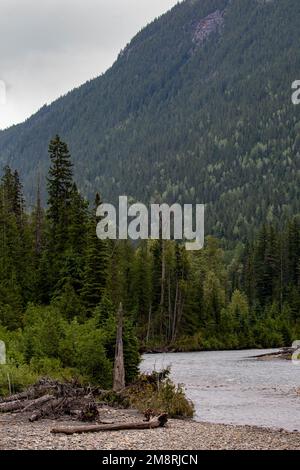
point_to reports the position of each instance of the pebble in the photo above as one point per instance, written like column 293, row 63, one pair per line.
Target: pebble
column 178, row 435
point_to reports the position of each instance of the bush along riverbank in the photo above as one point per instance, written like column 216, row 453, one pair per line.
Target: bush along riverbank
column 152, row 394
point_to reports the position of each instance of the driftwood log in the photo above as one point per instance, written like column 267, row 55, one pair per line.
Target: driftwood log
column 28, row 394
column 37, row 402
column 10, row 406
column 54, row 407
column 158, row 422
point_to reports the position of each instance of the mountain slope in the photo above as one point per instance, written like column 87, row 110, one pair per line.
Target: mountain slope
column 197, row 108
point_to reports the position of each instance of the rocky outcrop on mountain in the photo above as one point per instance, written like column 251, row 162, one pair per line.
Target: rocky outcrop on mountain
column 196, row 109
column 207, row 26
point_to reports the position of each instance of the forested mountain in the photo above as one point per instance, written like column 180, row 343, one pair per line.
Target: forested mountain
column 60, row 287
column 197, row 108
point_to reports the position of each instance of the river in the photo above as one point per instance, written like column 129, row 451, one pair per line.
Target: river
column 233, row 388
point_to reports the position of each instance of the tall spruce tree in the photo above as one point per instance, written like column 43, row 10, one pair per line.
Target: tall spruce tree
column 95, row 265
column 60, row 182
column 59, row 185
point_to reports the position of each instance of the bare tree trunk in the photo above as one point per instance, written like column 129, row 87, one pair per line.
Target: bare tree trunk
column 160, row 421
column 175, row 312
column 163, row 275
column 119, row 370
column 149, row 324
column 180, row 313
column 26, row 405
column 169, row 334
column 162, row 287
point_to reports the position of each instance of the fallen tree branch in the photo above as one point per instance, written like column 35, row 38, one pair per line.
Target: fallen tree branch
column 13, row 406
column 50, row 407
column 27, row 395
column 37, row 402
column 25, row 405
column 158, row 422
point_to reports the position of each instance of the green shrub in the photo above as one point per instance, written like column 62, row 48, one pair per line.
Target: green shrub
column 43, row 331
column 83, row 348
column 189, row 343
column 50, row 367
column 116, row 400
column 14, row 379
column 156, row 391
column 172, row 399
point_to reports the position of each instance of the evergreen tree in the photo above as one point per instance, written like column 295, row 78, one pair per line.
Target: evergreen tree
column 60, row 184
column 95, row 265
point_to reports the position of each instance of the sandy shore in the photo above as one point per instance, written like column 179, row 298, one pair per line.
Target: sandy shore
column 18, row 433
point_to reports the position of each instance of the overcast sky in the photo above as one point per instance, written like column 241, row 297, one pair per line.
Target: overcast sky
column 48, row 47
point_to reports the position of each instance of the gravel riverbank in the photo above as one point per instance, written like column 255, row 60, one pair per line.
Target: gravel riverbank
column 16, row 432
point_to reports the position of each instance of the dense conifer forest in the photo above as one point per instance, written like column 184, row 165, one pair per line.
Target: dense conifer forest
column 196, row 109
column 60, row 286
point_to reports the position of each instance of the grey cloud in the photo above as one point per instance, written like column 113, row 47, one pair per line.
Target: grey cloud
column 48, row 47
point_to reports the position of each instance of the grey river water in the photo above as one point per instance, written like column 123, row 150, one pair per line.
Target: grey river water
column 233, row 388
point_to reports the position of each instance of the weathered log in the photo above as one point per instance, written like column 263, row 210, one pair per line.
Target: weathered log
column 37, row 402
column 13, row 406
column 48, row 408
column 28, row 394
column 158, row 422
column 23, row 405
